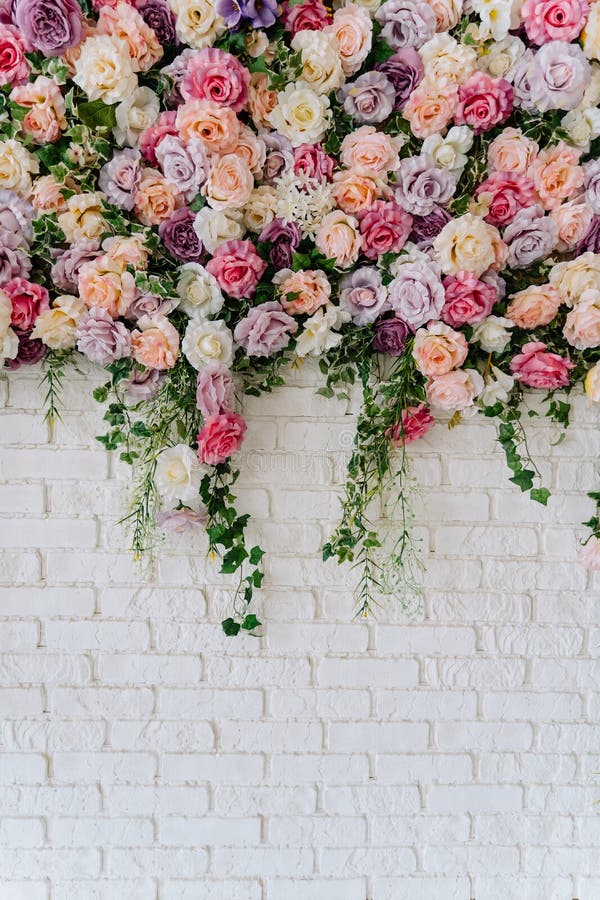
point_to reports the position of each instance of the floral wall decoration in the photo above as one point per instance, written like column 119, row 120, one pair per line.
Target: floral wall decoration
column 195, row 194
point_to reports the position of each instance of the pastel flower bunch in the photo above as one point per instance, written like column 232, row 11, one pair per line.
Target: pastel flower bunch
column 193, row 192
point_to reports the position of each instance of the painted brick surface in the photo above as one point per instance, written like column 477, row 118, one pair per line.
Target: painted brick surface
column 146, row 756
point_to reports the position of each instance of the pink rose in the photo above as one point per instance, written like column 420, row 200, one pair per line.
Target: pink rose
column 438, row 349
column 511, row 151
column 311, row 15
column 536, row 367
column 237, row 267
column 508, row 193
column 28, row 301
column 430, row 107
column 311, row 160
column 415, row 423
column 214, row 391
column 468, row 299
column 454, row 391
column 573, row 219
column 151, row 137
column 582, row 325
column 13, row 65
column 265, row 330
column 589, row 555
column 483, row 102
column 218, row 76
column 554, row 20
column 534, row 306
column 384, row 227
column 220, row 437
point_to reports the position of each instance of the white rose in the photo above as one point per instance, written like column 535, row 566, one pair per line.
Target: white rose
column 583, row 126
column 320, row 331
column 467, row 243
column 134, row 115
column 207, row 342
column 492, row 334
column 197, row 22
column 215, row 226
column 260, row 208
column 178, row 474
column 57, row 327
column 199, row 291
column 9, row 345
column 498, row 386
column 301, row 115
column 104, row 69
column 370, row 5
column 501, row 58
column 450, row 152
column 16, row 166
column 573, row 277
column 444, row 58
column 321, row 61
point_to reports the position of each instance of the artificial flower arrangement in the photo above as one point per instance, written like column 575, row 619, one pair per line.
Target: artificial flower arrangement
column 196, row 193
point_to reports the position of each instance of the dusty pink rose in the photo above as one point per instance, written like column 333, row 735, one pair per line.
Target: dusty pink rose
column 14, row 68
column 311, row 160
column 511, row 151
column 468, row 299
column 554, row 20
column 506, row 193
column 216, row 75
column 438, row 349
column 534, row 306
column 573, row 219
column 302, row 292
column 311, row 15
column 265, row 330
column 370, row 149
column 536, row 367
column 155, row 343
column 214, row 392
column 589, row 555
column 28, row 301
column 483, row 102
column 582, row 325
column 454, row 391
column 237, row 267
column 415, row 422
column 384, row 228
column 152, row 136
column 220, row 437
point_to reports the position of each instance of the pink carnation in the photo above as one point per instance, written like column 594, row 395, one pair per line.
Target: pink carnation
column 220, row 437
column 237, row 267
column 468, row 299
column 554, row 20
column 536, row 367
column 509, row 192
column 215, row 75
column 384, row 227
column 28, row 301
column 483, row 102
column 415, row 422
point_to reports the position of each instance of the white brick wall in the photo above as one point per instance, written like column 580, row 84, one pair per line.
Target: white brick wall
column 147, row 756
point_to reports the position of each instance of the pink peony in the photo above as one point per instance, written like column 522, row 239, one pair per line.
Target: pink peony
column 415, row 422
column 220, row 437
column 216, row 75
column 28, row 301
column 506, row 193
column 384, row 227
column 483, row 102
column 468, row 299
column 237, row 267
column 214, row 392
column 536, row 367
column 554, row 20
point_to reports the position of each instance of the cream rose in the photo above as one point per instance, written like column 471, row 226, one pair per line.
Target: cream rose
column 104, row 69
column 197, row 22
column 466, row 244
column 449, row 152
column 57, row 327
column 178, row 474
column 134, row 115
column 582, row 126
column 339, row 238
column 16, row 167
column 260, row 208
column 592, row 383
column 492, row 334
column 574, row 277
column 447, row 60
column 320, row 331
column 207, row 342
column 590, row 36
column 198, row 291
column 321, row 62
column 501, row 57
column 498, row 386
column 215, row 226
column 83, row 219
column 301, row 115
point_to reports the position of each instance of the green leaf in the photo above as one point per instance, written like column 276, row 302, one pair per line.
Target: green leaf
column 230, row 627
column 256, row 554
column 97, row 114
column 100, row 394
column 540, row 495
column 250, row 622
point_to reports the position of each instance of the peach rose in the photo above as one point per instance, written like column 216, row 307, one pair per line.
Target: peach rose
column 217, row 126
column 367, row 148
column 430, row 107
column 573, row 219
column 155, row 343
column 302, row 292
column 229, row 184
column 338, row 238
column 128, row 250
column 46, row 195
column 438, row 349
column 251, row 149
column 511, row 151
column 353, row 31
column 261, row 101
column 106, row 283
column 589, row 555
column 57, row 327
column 454, row 391
column 357, row 189
column 124, row 22
column 534, row 306
column 46, row 117
column 447, row 13
column 556, row 174
column 155, row 199
column 582, row 325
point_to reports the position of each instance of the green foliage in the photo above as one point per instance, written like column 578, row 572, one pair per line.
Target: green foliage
column 513, row 440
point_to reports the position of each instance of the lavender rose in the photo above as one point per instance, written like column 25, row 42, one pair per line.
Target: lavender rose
column 16, row 216
column 65, row 271
column 391, row 336
column 559, row 76
column 29, row 353
column 406, row 23
column 158, row 16
column 14, row 262
column 143, row 384
column 591, row 239
column 283, row 238
column 50, row 26
column 370, row 98
column 101, row 338
column 416, row 294
column 179, row 521
column 280, row 156
column 214, row 392
column 405, row 71
column 265, row 330
column 422, row 186
column 522, row 81
column 591, row 185
column 150, row 305
column 363, row 295
column 179, row 236
column 530, row 236
column 120, row 176
column 184, row 165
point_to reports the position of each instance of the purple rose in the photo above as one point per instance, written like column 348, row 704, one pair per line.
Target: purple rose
column 391, row 336
column 363, row 295
column 184, row 165
column 16, row 216
column 65, row 271
column 426, row 228
column 283, row 238
column 179, row 521
column 50, row 26
column 416, row 294
column 14, row 262
column 421, row 186
column 530, row 236
column 157, row 15
column 179, row 236
column 591, row 239
column 120, row 176
column 29, row 352
column 265, row 330
column 214, row 392
column 591, row 185
column 280, row 156
column 101, row 338
column 560, row 74
column 369, row 99
column 143, row 384
column 405, row 71
column 522, row 82
column 406, row 23
column 150, row 305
